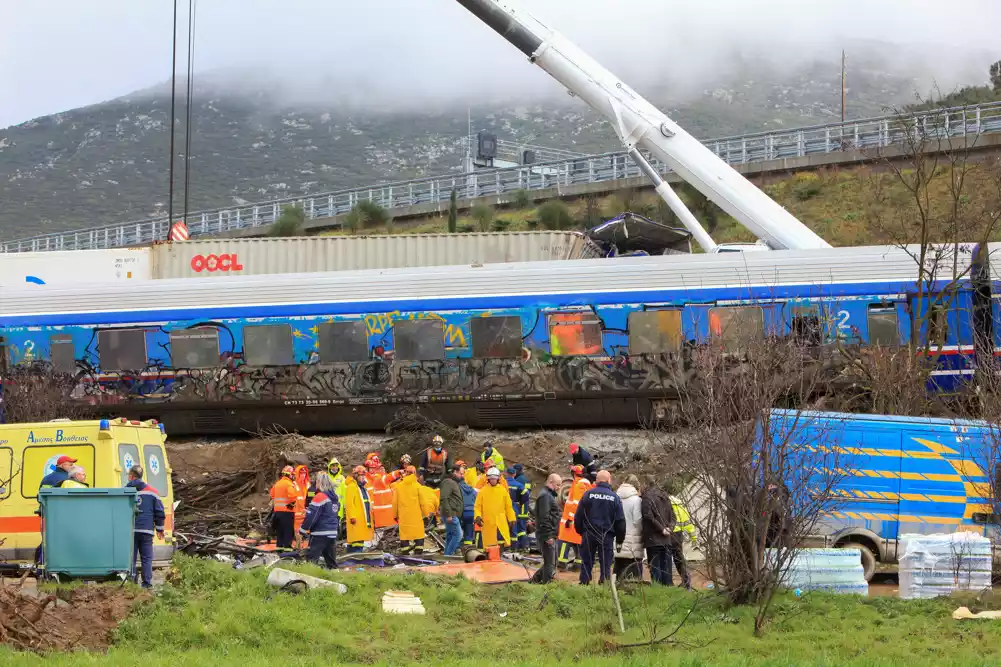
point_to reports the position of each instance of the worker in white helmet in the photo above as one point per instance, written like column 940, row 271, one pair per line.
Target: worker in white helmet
column 493, row 511
column 434, row 463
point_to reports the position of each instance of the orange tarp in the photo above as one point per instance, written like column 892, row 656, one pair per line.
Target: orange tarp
column 484, row 571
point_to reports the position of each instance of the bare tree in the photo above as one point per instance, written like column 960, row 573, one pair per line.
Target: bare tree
column 36, row 393
column 766, row 482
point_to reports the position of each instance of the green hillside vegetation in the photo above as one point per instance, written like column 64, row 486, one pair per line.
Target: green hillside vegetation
column 862, row 206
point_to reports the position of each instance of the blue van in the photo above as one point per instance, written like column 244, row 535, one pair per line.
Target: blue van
column 901, row 475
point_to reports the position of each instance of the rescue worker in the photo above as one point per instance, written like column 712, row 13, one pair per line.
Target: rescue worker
column 490, row 457
column 358, row 513
column 321, row 523
column 683, row 531
column 581, row 457
column 468, row 503
column 493, row 512
column 519, row 504
column 569, row 539
column 658, row 526
column 469, row 474
column 283, row 497
column 526, row 504
column 77, row 479
column 381, row 494
column 434, row 463
column 405, row 462
column 451, row 510
column 602, row 525
column 547, row 523
column 409, row 509
column 336, row 472
column 149, row 518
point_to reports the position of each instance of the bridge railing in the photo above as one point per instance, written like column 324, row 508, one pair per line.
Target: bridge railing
column 867, row 134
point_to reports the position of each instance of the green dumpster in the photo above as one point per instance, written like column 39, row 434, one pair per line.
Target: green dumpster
column 87, row 532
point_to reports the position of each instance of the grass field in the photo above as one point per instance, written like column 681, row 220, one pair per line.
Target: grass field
column 215, row 616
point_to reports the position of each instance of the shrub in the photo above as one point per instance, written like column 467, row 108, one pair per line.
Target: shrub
column 555, row 214
column 483, row 215
column 366, row 214
column 289, row 223
column 500, row 225
column 521, row 198
column 806, row 186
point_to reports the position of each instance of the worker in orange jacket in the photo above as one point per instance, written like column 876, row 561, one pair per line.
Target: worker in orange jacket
column 569, row 539
column 284, row 496
column 380, row 492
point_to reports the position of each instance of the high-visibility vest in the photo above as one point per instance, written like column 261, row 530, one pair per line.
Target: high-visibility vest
column 436, row 462
column 577, row 491
column 381, row 494
column 284, row 493
column 682, row 520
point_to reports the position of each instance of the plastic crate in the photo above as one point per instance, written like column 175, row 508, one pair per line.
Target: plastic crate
column 87, row 532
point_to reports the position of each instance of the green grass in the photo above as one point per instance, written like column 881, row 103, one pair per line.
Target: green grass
column 217, row 616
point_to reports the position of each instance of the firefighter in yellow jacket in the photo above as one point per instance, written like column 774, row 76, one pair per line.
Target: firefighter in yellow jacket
column 410, row 506
column 493, row 511
column 358, row 513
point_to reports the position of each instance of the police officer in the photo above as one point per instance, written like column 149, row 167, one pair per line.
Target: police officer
column 601, row 524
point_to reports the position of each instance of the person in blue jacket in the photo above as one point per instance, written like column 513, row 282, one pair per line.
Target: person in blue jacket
column 322, row 522
column 54, row 480
column 149, row 520
column 601, row 523
column 520, row 489
column 468, row 507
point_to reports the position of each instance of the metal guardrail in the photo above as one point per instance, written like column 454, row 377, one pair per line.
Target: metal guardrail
column 867, row 134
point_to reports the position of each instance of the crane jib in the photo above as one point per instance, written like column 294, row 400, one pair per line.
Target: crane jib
column 508, row 28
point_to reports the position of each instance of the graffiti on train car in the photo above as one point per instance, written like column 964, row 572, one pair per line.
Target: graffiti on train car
column 426, row 355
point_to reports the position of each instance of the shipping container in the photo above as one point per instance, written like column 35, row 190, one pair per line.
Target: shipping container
column 227, row 257
column 74, row 266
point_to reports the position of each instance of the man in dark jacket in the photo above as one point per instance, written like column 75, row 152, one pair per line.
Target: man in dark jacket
column 547, row 525
column 582, row 457
column 658, row 529
column 54, row 480
column 451, row 508
column 150, row 519
column 322, row 523
column 601, row 523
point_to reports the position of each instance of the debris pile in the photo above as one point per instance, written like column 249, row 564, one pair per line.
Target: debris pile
column 81, row 618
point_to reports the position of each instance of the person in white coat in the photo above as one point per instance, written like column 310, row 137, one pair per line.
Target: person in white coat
column 629, row 557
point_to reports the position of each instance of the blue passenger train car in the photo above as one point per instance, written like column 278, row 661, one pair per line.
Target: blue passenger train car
column 897, row 476
column 582, row 342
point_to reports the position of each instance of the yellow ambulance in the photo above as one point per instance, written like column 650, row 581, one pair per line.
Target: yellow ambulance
column 105, row 449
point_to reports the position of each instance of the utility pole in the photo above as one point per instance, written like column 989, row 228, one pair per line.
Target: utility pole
column 844, row 83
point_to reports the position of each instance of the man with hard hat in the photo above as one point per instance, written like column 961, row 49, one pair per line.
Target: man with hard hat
column 358, row 514
column 380, row 491
column 284, row 495
column 434, row 463
column 569, row 538
column 493, row 512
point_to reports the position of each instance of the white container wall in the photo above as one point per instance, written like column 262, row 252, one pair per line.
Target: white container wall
column 74, row 267
column 228, row 257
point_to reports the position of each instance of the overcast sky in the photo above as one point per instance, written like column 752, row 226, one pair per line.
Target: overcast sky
column 56, row 55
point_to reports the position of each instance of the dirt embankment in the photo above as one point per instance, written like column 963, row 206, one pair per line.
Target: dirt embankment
column 81, row 618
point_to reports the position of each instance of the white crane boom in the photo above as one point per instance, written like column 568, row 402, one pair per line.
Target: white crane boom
column 640, row 124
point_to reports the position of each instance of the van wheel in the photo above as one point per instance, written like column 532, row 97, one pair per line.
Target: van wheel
column 868, row 558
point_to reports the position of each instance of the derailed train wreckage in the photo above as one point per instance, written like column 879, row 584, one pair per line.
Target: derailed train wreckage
column 586, row 342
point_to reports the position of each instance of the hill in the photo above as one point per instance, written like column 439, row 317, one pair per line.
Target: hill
column 108, row 162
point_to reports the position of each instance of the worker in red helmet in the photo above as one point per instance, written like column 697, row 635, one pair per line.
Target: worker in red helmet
column 284, row 495
column 581, row 457
column 569, row 538
column 380, row 488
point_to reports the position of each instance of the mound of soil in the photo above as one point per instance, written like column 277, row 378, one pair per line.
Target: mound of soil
column 82, row 618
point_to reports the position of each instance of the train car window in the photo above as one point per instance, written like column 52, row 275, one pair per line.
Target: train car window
column 268, row 345
column 61, row 353
column 419, row 340
column 122, row 349
column 655, row 332
column 344, row 341
column 737, row 326
column 805, row 324
column 496, row 337
column 938, row 324
column 575, row 334
column 194, row 348
column 882, row 320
